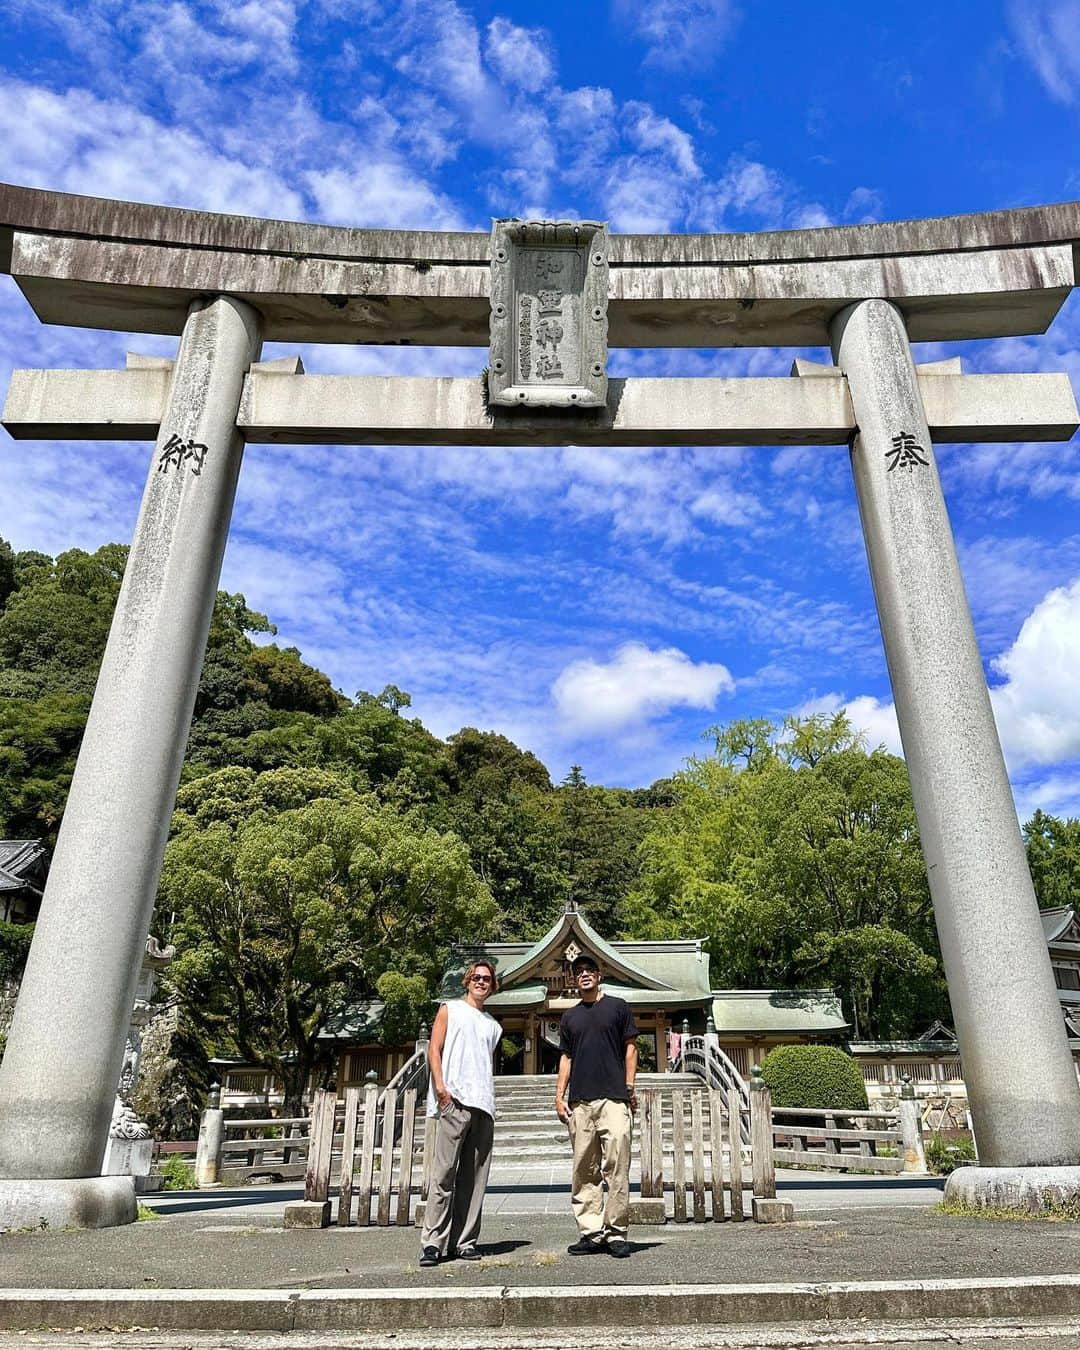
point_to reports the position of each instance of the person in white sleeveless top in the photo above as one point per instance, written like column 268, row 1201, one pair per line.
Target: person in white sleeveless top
column 461, row 1093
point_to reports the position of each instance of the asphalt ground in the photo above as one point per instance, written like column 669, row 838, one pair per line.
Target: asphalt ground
column 221, row 1247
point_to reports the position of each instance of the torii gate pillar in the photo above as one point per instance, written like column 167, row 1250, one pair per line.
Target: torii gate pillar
column 66, row 1044
column 1022, row 1087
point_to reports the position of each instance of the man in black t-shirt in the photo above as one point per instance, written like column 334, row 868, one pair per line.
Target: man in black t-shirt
column 595, row 1096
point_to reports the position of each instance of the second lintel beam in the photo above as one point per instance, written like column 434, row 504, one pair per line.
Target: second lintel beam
column 387, row 410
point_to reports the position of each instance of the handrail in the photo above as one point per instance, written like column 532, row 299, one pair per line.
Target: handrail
column 412, row 1074
column 702, row 1056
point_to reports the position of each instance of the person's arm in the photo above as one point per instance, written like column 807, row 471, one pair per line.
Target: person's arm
column 561, row 1085
column 630, row 1033
column 434, row 1056
column 631, row 1071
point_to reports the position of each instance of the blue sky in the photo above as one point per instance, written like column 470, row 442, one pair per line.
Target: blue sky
column 598, row 606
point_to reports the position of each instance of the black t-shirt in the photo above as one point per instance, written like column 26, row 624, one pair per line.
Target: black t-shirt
column 594, row 1035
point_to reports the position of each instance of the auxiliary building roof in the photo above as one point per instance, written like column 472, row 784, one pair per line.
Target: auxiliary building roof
column 773, row 1011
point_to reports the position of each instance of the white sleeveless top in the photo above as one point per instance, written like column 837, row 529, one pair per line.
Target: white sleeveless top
column 471, row 1038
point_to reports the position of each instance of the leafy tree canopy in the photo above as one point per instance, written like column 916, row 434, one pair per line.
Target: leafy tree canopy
column 1053, row 853
column 796, row 853
column 294, row 893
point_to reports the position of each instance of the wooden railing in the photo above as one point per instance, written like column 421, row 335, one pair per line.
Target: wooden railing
column 838, row 1140
column 379, row 1176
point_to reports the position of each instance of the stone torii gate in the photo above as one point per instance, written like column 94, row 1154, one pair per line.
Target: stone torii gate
column 548, row 297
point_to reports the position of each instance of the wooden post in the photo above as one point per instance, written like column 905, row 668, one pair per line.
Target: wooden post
column 761, row 1137
column 386, row 1161
column 405, row 1167
column 645, row 1146
column 320, row 1150
column 348, row 1152
column 734, row 1142
column 697, row 1144
column 716, row 1153
column 678, row 1140
column 367, row 1155
column 656, row 1144
column 661, row 1043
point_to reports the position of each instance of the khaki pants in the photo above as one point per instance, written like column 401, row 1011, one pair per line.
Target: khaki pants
column 459, row 1174
column 600, row 1133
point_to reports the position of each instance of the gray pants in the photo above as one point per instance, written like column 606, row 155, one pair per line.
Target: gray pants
column 455, row 1198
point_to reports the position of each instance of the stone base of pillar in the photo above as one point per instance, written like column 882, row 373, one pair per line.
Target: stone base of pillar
column 1036, row 1190
column 68, row 1202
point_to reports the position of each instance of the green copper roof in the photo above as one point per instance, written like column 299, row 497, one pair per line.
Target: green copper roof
column 777, row 1010
column 657, row 974
column 573, row 927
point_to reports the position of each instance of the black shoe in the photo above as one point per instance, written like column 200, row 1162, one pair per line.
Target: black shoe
column 619, row 1247
column 469, row 1254
column 429, row 1256
column 583, row 1247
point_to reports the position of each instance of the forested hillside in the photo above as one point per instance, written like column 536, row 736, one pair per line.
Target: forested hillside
column 327, row 847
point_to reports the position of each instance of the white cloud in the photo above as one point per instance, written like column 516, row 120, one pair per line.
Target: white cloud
column 519, row 56
column 680, row 34
column 1038, row 706
column 76, row 142
column 635, row 685
column 1048, row 32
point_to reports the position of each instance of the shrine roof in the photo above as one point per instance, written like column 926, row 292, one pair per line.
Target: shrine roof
column 777, row 1010
column 21, row 864
column 129, row 266
column 1056, row 922
column 672, row 973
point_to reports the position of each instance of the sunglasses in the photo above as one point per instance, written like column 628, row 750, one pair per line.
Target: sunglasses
column 480, row 979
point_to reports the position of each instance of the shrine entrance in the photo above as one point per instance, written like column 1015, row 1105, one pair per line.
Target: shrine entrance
column 547, row 298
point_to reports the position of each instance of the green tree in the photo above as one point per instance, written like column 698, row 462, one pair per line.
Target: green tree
column 798, row 856
column 293, row 894
column 1053, row 854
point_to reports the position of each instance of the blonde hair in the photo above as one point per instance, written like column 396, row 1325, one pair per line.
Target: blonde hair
column 473, row 966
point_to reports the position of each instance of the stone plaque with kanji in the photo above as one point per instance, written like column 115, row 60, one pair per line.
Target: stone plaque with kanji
column 549, row 289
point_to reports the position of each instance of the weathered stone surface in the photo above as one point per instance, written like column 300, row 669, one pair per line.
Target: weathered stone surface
column 82, row 1202
column 1019, row 1074
column 771, row 1210
column 647, row 1211
column 384, row 410
column 128, row 1157
column 307, row 1214
column 1035, row 1189
column 66, row 1044
column 121, row 265
column 549, row 296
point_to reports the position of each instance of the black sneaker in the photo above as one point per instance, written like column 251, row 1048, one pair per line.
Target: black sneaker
column 429, row 1256
column 619, row 1247
column 583, row 1247
column 469, row 1254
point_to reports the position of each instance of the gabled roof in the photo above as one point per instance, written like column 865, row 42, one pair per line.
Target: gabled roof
column 777, row 1010
column 572, row 928
column 21, row 865
column 1057, row 923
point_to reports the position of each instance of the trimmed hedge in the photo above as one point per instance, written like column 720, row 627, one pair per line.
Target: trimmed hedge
column 14, row 946
column 814, row 1077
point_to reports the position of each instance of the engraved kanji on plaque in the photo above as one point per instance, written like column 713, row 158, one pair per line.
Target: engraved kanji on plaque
column 549, row 288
